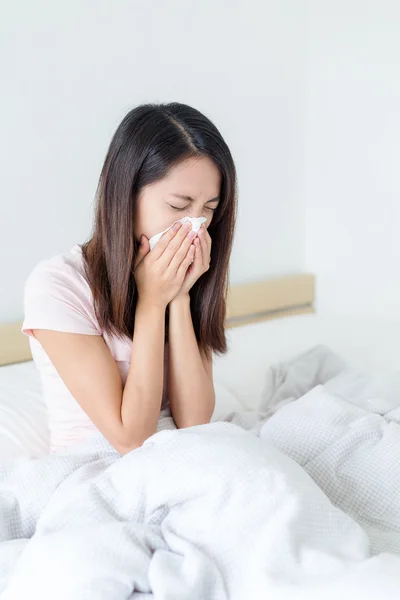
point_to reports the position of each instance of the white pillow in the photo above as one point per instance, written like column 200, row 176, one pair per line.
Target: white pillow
column 23, row 416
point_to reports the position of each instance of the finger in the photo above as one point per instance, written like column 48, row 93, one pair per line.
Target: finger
column 175, row 244
column 198, row 253
column 205, row 251
column 165, row 240
column 181, row 253
column 205, row 236
column 208, row 237
column 143, row 250
column 209, row 245
column 185, row 264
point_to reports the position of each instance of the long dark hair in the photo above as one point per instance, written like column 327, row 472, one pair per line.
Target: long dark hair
column 151, row 139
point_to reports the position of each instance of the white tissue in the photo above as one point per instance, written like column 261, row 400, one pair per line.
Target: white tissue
column 196, row 222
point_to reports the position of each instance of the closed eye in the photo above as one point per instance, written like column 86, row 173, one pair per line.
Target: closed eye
column 178, row 207
column 181, row 209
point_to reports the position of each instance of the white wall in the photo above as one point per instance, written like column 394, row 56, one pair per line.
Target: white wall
column 352, row 155
column 71, row 70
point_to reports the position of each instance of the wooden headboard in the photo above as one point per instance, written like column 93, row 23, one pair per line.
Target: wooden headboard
column 270, row 299
column 247, row 303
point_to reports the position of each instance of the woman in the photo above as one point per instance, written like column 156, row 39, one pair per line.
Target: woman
column 120, row 333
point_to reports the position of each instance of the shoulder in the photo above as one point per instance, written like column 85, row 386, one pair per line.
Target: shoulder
column 58, row 296
column 60, row 270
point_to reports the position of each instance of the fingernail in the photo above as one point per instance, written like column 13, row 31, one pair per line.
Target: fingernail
column 192, row 235
column 177, row 226
column 187, row 226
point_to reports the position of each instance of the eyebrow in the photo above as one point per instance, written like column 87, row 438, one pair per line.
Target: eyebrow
column 190, row 199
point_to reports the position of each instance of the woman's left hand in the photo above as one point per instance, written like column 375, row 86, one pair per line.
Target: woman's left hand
column 201, row 261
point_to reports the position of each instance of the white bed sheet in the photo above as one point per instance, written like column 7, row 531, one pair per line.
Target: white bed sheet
column 239, row 376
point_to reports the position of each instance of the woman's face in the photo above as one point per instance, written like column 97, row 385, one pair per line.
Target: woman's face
column 190, row 189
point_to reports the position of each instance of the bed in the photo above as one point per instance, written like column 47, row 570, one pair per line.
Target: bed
column 267, row 322
column 324, row 516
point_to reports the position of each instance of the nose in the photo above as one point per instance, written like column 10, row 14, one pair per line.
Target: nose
column 196, row 210
column 199, row 209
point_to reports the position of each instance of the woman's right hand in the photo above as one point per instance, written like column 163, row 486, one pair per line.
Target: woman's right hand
column 159, row 274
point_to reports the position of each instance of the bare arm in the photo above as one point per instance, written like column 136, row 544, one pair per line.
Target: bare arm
column 191, row 389
column 126, row 417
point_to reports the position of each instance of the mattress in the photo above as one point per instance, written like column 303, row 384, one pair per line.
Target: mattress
column 239, row 376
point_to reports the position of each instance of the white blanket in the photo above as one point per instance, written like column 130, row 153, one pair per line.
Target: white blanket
column 344, row 430
column 215, row 512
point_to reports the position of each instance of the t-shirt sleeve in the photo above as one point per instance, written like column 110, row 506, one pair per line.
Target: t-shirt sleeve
column 58, row 298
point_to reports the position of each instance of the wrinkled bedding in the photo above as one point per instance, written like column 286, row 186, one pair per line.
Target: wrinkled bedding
column 298, row 500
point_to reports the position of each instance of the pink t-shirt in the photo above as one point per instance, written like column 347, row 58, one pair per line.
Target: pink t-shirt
column 58, row 298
